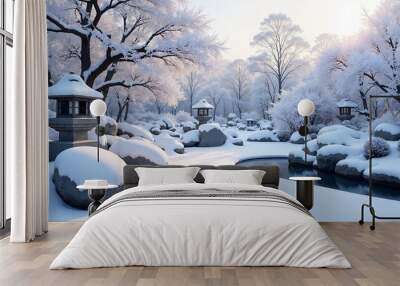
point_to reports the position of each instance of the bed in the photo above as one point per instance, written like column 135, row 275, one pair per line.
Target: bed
column 198, row 224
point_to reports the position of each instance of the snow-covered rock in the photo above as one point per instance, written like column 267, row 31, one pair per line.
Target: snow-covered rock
column 188, row 126
column 241, row 126
column 263, row 136
column 298, row 158
column 138, row 151
column 312, row 147
column 283, row 135
column 110, row 139
column 169, row 144
column 53, row 134
column 251, row 128
column 231, row 123
column 155, row 130
column 353, row 167
column 329, row 156
column 388, row 131
column 337, row 134
column 134, row 131
column 296, row 138
column 191, row 138
column 75, row 165
column 236, row 141
column 108, row 126
column 51, row 114
column 211, row 135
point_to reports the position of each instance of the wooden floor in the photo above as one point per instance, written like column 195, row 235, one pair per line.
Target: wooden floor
column 375, row 257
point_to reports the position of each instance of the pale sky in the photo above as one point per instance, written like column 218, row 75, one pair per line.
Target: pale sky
column 237, row 21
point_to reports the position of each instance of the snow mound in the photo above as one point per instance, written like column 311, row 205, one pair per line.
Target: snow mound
column 263, row 136
column 207, row 127
column 170, row 144
column 389, row 128
column 388, row 131
column 139, row 151
column 191, row 138
column 134, row 131
column 296, row 138
column 80, row 164
column 340, row 129
column 232, row 132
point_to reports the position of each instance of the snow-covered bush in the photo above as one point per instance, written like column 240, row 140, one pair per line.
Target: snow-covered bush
column 263, row 136
column 169, row 144
column 139, row 151
column 134, row 131
column 285, row 115
column 183, row 116
column 188, row 125
column 265, row 125
column 169, row 120
column 379, row 148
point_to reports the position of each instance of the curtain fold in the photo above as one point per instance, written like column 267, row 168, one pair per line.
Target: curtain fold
column 27, row 121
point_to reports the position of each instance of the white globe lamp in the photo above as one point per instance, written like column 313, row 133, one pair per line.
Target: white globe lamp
column 306, row 108
column 98, row 108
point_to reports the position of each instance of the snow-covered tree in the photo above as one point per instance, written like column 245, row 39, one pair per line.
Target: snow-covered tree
column 127, row 43
column 191, row 85
column 238, row 81
column 215, row 92
column 282, row 50
column 286, row 117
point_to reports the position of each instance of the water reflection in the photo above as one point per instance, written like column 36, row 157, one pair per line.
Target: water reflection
column 329, row 180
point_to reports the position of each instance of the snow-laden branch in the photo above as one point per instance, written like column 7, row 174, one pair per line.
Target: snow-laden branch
column 63, row 27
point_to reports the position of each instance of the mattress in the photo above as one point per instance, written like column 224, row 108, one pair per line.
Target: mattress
column 201, row 225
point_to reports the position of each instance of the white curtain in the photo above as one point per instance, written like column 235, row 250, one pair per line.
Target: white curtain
column 26, row 119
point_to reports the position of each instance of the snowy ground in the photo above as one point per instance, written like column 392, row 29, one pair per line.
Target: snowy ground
column 329, row 204
column 229, row 154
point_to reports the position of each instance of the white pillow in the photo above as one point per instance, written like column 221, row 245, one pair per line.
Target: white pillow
column 247, row 177
column 166, row 176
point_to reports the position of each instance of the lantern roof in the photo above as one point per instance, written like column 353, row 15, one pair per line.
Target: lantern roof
column 347, row 103
column 202, row 104
column 72, row 85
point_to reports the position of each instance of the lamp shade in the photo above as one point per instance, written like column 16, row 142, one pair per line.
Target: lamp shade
column 98, row 108
column 306, row 107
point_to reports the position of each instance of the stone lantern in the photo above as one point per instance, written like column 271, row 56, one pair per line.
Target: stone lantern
column 73, row 119
column 345, row 107
column 202, row 111
column 250, row 122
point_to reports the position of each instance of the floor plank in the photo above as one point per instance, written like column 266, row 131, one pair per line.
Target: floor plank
column 375, row 257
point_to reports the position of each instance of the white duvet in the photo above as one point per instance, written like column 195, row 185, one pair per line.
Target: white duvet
column 206, row 231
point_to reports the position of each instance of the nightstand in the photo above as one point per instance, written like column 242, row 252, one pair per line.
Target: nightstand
column 305, row 190
column 96, row 194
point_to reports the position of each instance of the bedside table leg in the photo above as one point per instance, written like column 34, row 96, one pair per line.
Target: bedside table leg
column 305, row 193
column 95, row 196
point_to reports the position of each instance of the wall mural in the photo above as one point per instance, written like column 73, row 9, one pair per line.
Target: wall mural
column 185, row 82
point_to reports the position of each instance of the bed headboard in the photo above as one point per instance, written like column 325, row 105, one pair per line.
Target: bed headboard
column 270, row 179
